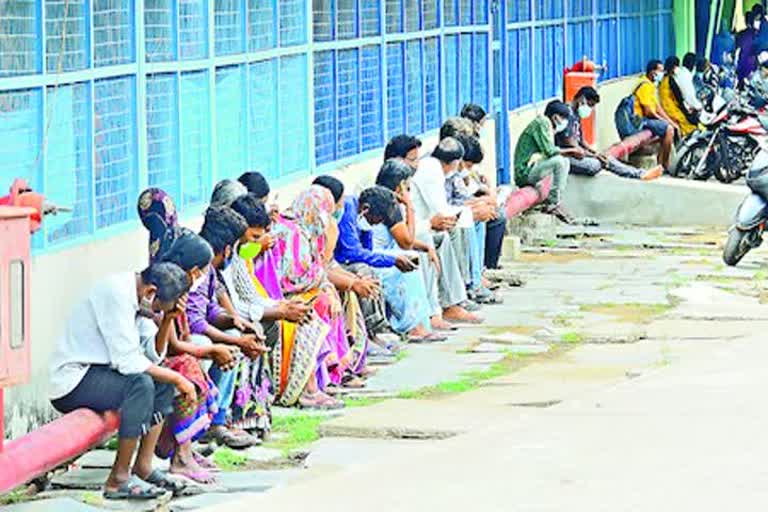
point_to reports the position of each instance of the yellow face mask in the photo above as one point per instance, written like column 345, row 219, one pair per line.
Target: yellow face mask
column 250, row 250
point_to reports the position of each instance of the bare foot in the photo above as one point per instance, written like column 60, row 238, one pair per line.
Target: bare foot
column 438, row 324
column 184, row 464
column 418, row 332
column 459, row 314
column 652, row 174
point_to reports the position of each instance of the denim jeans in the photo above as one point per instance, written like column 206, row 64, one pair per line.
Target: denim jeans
column 476, row 255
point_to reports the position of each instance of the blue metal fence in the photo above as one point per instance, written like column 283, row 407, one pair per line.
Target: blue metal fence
column 100, row 98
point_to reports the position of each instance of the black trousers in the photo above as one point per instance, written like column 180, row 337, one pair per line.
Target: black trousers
column 142, row 402
column 494, row 237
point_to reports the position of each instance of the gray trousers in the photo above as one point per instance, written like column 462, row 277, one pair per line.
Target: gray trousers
column 590, row 166
column 450, row 283
column 461, row 247
column 557, row 167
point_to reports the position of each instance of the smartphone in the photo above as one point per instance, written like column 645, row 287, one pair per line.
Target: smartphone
column 458, row 215
column 415, row 260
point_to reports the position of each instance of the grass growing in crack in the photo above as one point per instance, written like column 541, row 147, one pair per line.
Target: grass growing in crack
column 401, row 355
column 18, row 495
column 474, row 379
column 361, row 402
column 634, row 313
column 565, row 319
column 299, row 429
column 572, row 338
column 229, row 460
column 760, row 275
column 549, row 243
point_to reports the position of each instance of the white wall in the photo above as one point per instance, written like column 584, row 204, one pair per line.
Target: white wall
column 61, row 278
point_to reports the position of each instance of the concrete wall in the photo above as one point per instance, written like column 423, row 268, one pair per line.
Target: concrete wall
column 63, row 277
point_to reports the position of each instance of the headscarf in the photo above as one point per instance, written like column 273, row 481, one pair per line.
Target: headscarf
column 226, row 191
column 300, row 238
column 312, row 211
column 158, row 214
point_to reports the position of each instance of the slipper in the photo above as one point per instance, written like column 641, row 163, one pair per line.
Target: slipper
column 352, row 382
column 201, row 476
column 162, row 480
column 135, row 489
column 204, row 463
column 472, row 321
column 236, row 440
column 437, row 337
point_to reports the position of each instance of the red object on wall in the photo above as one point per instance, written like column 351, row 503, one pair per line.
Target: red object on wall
column 21, row 195
column 527, row 197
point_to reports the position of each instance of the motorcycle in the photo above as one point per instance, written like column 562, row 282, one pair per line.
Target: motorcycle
column 752, row 214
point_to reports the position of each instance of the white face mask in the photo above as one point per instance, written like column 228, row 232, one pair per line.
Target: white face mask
column 657, row 78
column 145, row 307
column 464, row 173
column 584, row 111
column 756, row 24
column 363, row 224
column 197, row 283
column 561, row 125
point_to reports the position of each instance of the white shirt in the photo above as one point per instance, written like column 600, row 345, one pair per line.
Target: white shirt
column 104, row 329
column 428, row 193
column 248, row 305
column 684, row 79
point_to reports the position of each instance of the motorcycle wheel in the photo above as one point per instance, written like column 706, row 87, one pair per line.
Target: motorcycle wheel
column 743, row 159
column 686, row 160
column 736, row 247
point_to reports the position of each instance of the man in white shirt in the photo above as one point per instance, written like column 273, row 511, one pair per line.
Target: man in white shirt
column 100, row 364
column 684, row 80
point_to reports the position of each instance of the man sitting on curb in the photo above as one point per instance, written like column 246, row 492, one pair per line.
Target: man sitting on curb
column 586, row 160
column 537, row 156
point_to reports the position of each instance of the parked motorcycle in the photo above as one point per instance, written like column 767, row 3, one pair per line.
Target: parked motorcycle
column 751, row 216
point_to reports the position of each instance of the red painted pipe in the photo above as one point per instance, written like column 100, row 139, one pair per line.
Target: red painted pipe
column 527, row 197
column 52, row 445
column 626, row 147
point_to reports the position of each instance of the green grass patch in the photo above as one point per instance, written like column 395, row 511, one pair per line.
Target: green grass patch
column 229, row 460
column 299, row 429
column 572, row 338
column 471, row 380
column 760, row 275
column 549, row 243
column 401, row 355
column 19, row 495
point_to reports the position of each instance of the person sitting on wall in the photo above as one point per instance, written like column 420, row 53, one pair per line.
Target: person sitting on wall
column 476, row 114
column 210, row 323
column 537, row 156
column 99, row 363
column 586, row 160
column 675, row 101
column 649, row 112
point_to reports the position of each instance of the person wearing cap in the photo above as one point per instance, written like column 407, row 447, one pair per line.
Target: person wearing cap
column 537, row 156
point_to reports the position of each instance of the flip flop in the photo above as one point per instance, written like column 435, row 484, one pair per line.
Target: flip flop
column 135, row 489
column 473, row 321
column 235, row 440
column 352, row 382
column 162, row 480
column 204, row 463
column 201, row 476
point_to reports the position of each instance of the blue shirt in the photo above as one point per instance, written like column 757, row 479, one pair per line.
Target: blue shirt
column 355, row 245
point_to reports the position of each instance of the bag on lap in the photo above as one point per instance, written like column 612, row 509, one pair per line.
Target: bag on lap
column 627, row 122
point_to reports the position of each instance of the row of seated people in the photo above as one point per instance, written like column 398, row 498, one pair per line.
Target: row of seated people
column 267, row 307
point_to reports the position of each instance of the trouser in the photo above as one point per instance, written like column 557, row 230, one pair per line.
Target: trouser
column 460, row 240
column 142, row 401
column 557, row 167
column 590, row 166
column 476, row 252
column 450, row 285
column 373, row 308
column 224, row 380
column 494, row 239
column 430, row 276
column 271, row 333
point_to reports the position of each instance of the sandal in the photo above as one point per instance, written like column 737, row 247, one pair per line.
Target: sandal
column 162, row 480
column 201, row 476
column 235, row 439
column 350, row 381
column 135, row 489
column 204, row 463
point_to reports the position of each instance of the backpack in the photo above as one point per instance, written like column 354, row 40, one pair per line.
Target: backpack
column 627, row 122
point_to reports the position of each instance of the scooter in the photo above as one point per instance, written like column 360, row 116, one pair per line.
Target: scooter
column 751, row 216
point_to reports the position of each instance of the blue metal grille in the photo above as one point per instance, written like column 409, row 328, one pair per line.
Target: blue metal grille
column 432, row 83
column 68, row 161
column 480, row 12
column 346, row 19
column 430, row 15
column 21, row 132
column 450, row 13
column 480, row 76
column 114, row 141
column 579, row 42
column 228, row 19
column 395, row 90
column 193, row 29
column 65, row 36
column 231, row 122
column 162, row 133
column 412, row 15
column 293, row 24
column 369, row 18
column 262, row 29
column 414, row 87
column 370, row 98
column 549, row 9
column 160, row 37
column 465, row 12
column 19, row 42
column 325, row 116
column 294, row 115
column 195, row 138
column 451, row 67
column 347, row 95
column 518, row 10
column 394, row 16
column 322, row 20
column 112, row 32
column 262, row 118
column 465, row 68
